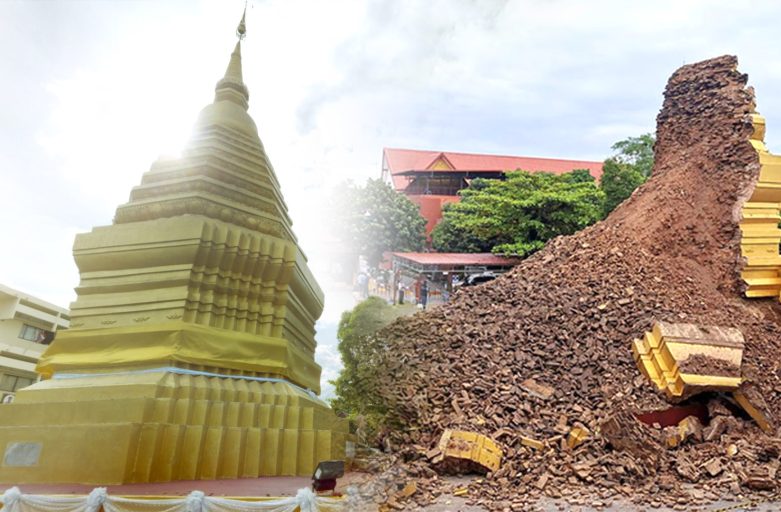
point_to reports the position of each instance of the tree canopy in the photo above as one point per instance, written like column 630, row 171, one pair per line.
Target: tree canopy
column 627, row 169
column 519, row 214
column 374, row 218
column 637, row 152
column 618, row 182
column 361, row 353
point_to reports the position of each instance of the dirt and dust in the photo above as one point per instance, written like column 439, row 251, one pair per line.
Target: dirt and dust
column 705, row 365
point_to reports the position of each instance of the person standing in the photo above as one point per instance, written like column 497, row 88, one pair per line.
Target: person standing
column 424, row 292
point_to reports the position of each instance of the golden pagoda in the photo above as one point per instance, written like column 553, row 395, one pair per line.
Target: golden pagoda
column 191, row 348
column 760, row 219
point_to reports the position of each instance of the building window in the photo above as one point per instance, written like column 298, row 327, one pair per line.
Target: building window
column 36, row 335
column 13, row 382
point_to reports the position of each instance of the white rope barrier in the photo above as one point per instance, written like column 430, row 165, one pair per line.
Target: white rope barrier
column 96, row 499
column 304, row 501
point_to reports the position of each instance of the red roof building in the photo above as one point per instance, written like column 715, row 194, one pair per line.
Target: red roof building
column 441, row 272
column 432, row 179
column 454, row 261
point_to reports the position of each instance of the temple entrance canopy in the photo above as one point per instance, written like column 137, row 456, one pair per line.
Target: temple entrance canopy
column 191, row 348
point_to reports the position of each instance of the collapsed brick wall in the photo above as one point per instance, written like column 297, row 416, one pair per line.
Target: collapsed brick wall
column 565, row 317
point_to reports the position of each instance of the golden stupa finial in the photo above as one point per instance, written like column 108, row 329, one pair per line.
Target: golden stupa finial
column 232, row 87
column 241, row 30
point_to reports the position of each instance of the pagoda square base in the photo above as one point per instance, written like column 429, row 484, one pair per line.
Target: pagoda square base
column 158, row 426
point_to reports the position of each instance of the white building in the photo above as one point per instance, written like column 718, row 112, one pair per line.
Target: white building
column 27, row 326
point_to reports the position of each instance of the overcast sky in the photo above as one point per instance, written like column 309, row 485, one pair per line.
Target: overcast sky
column 94, row 92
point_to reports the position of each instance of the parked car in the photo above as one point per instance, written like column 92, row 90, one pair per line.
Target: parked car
column 482, row 277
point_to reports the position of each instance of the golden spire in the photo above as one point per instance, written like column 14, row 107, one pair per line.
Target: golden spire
column 231, row 87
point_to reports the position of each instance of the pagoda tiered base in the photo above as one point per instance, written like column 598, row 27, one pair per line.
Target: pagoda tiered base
column 158, row 425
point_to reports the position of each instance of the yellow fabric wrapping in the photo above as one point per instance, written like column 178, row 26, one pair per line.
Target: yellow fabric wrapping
column 177, row 342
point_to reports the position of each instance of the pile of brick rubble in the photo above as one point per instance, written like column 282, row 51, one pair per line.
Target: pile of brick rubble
column 547, row 347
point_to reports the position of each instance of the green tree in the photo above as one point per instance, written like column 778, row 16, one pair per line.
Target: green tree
column 452, row 235
column 519, row 214
column 374, row 218
column 627, row 169
column 579, row 176
column 637, row 152
column 618, row 182
column 362, row 354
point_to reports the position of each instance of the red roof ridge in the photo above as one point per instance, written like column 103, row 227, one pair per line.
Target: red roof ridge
column 492, row 154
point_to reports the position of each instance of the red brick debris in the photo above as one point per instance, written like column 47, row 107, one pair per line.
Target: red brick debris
column 565, row 318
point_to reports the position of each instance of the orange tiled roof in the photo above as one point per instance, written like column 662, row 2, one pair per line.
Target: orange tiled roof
column 402, row 160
